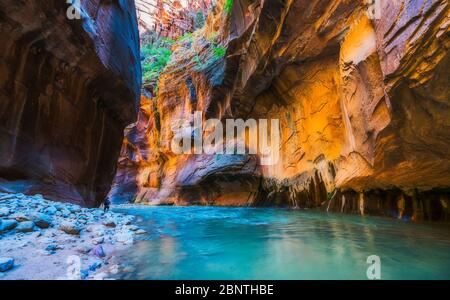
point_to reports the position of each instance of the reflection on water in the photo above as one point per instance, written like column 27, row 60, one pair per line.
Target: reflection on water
column 251, row 243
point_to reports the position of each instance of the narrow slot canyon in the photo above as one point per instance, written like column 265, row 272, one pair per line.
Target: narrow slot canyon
column 231, row 139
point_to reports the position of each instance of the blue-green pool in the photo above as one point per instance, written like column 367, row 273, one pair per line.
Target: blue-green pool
column 257, row 243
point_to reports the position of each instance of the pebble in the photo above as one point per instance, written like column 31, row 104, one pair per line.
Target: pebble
column 6, row 264
column 141, row 231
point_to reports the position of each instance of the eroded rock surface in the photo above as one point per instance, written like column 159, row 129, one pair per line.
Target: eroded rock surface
column 67, row 90
column 363, row 105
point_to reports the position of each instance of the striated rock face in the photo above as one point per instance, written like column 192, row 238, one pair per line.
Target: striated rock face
column 67, row 90
column 171, row 18
column 363, row 105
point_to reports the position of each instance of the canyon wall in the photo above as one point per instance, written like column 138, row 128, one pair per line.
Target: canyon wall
column 363, row 104
column 68, row 88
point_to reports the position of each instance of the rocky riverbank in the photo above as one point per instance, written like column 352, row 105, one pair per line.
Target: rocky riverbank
column 41, row 239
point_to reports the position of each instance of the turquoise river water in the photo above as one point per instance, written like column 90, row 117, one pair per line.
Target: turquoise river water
column 259, row 243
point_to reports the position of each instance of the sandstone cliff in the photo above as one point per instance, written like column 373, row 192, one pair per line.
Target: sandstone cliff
column 67, row 90
column 363, row 104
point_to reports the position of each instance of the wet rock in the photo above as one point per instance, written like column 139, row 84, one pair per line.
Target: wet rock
column 6, row 264
column 51, row 210
column 128, row 220
column 125, row 237
column 84, row 274
column 27, row 226
column 7, row 225
column 96, row 265
column 41, row 220
column 133, row 228
column 70, row 228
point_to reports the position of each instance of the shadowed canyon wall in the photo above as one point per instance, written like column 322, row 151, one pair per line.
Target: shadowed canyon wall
column 67, row 90
column 363, row 105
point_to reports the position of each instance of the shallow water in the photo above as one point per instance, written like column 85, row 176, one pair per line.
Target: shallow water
column 257, row 243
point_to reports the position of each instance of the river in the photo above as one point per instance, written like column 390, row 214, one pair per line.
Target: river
column 261, row 243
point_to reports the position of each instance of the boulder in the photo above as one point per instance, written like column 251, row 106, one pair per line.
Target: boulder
column 7, row 225
column 26, row 226
column 41, row 220
column 6, row 264
column 70, row 228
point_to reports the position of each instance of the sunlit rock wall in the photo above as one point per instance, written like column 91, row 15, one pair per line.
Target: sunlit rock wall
column 67, row 90
column 363, row 105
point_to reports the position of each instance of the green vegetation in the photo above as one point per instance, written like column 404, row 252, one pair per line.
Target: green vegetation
column 185, row 37
column 156, row 56
column 228, row 6
column 219, row 51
